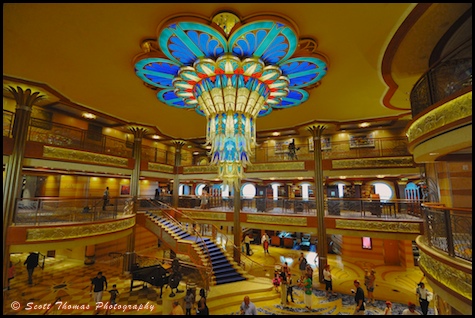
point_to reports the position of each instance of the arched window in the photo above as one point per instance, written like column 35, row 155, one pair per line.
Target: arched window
column 199, row 189
column 183, row 189
column 385, row 192
column 305, row 193
column 248, row 191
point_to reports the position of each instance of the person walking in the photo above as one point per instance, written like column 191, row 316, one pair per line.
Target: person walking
column 265, row 243
column 202, row 309
column 425, row 296
column 247, row 242
column 31, row 263
column 410, row 310
column 99, row 283
column 389, row 308
column 189, row 301
column 113, row 300
column 327, row 278
column 302, row 264
column 247, row 307
column 105, row 198
column 369, row 281
column 359, row 298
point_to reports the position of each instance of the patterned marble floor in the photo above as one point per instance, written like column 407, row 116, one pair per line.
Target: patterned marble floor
column 69, row 280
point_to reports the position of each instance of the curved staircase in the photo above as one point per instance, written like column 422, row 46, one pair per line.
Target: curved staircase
column 224, row 268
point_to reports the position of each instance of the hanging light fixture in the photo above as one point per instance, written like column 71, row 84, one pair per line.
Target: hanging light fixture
column 231, row 71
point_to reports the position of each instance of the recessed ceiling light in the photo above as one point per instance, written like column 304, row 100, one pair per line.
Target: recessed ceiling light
column 433, row 154
column 88, row 115
column 156, row 137
column 363, row 125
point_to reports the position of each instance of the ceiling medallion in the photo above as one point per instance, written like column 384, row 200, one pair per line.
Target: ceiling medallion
column 231, row 71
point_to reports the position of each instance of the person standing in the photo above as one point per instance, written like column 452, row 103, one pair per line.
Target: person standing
column 359, row 298
column 265, row 243
column 425, row 296
column 202, row 309
column 290, row 289
column 204, row 199
column 307, row 285
column 247, row 242
column 247, row 307
column 302, row 264
column 369, row 281
column 327, row 278
column 176, row 309
column 31, row 263
column 389, row 308
column 99, row 283
column 189, row 301
column 283, row 286
column 105, row 198
column 309, row 271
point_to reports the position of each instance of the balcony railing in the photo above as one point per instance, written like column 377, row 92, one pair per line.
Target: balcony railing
column 60, row 135
column 451, row 75
column 449, row 230
column 45, row 211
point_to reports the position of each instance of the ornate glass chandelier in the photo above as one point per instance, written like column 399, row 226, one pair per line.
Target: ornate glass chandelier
column 231, row 71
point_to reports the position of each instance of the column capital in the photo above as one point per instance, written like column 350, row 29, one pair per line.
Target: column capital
column 138, row 131
column 178, row 144
column 317, row 131
column 24, row 98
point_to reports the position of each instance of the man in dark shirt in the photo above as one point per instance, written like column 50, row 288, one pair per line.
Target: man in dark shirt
column 31, row 263
column 359, row 298
column 100, row 284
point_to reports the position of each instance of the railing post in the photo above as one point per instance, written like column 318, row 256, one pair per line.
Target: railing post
column 450, row 238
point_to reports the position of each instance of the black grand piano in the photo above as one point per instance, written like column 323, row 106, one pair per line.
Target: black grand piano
column 155, row 275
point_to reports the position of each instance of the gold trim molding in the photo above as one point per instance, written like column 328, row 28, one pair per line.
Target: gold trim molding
column 207, row 215
column 200, row 169
column 272, row 219
column 457, row 280
column 78, row 231
column 276, row 166
column 160, row 167
column 373, row 163
column 395, row 227
column 83, row 156
column 456, row 109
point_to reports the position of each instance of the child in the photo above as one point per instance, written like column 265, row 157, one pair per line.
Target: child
column 388, row 310
column 114, row 293
column 276, row 281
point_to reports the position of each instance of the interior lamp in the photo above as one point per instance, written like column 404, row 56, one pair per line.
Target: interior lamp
column 230, row 71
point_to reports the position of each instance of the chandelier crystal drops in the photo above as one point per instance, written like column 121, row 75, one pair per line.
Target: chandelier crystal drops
column 231, row 72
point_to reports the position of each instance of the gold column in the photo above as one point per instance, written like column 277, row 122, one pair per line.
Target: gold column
column 237, row 222
column 319, row 198
column 138, row 132
column 13, row 170
column 176, row 180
